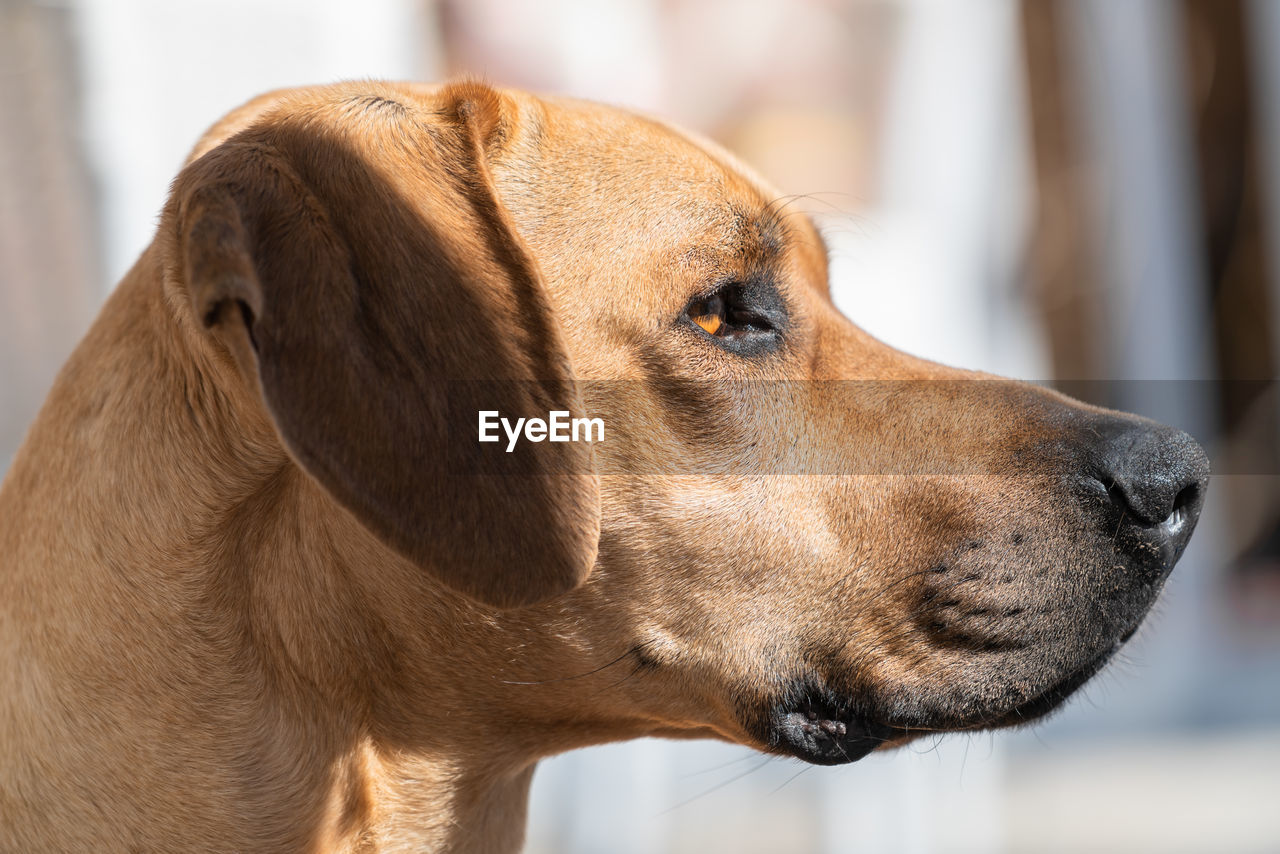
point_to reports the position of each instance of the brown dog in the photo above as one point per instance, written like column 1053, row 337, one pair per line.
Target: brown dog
column 262, row 588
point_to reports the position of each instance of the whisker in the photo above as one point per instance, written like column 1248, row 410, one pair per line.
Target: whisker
column 719, row 786
column 632, row 651
column 634, row 670
column 722, row 766
column 792, row 779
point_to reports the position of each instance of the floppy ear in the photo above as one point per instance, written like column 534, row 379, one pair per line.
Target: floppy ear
column 364, row 274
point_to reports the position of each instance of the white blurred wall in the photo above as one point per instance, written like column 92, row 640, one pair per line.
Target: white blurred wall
column 157, row 73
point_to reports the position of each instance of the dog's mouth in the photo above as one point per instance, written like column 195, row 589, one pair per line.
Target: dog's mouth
column 1052, row 698
column 826, row 730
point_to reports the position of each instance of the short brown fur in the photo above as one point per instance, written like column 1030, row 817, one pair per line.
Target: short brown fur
column 248, row 606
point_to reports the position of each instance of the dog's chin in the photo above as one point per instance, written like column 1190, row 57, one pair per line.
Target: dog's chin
column 824, row 729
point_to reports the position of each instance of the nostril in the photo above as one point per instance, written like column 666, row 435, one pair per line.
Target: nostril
column 1140, row 502
column 1154, row 476
column 1186, row 506
column 1120, row 498
column 1184, row 501
column 1188, row 497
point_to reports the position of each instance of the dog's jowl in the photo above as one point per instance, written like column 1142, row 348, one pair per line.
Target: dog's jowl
column 260, row 592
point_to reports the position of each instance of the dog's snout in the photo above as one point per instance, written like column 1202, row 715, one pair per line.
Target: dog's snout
column 1152, row 473
column 1155, row 479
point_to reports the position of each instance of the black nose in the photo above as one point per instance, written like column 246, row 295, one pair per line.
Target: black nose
column 1155, row 479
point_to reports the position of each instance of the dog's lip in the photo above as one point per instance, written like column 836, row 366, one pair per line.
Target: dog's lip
column 824, row 732
column 824, row 736
column 1051, row 698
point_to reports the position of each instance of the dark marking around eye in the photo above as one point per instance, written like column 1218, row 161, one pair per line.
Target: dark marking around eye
column 746, row 318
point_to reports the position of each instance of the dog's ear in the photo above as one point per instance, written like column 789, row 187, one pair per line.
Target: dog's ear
column 359, row 266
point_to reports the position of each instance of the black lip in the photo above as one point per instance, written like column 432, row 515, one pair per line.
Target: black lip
column 822, row 732
column 823, row 736
column 1049, row 700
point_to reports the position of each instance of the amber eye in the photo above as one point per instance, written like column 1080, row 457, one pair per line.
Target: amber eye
column 743, row 318
column 709, row 314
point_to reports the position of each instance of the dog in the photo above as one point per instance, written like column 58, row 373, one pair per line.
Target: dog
column 264, row 588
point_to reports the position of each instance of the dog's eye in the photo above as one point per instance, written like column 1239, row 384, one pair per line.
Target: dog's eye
column 709, row 314
column 729, row 315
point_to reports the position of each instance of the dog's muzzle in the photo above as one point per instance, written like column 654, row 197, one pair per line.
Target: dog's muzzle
column 1000, row 629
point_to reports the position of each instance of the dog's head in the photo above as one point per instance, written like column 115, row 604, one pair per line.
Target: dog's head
column 792, row 535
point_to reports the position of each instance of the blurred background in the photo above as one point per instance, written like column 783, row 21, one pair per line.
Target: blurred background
column 1083, row 192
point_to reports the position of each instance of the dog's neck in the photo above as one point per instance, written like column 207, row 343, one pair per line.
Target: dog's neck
column 337, row 697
